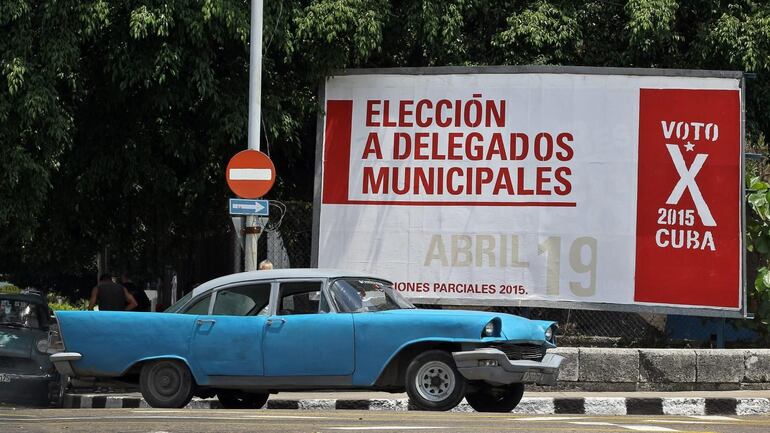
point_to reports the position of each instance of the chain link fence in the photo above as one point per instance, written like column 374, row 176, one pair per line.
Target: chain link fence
column 587, row 328
column 288, row 243
column 287, row 240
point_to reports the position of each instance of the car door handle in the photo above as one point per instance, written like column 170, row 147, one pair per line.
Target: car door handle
column 202, row 321
column 270, row 321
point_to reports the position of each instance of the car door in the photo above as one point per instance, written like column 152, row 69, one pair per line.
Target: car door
column 228, row 341
column 304, row 337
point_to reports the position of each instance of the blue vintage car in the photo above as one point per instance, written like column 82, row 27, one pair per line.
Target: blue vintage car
column 244, row 336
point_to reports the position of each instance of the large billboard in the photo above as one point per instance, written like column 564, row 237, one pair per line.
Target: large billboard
column 564, row 187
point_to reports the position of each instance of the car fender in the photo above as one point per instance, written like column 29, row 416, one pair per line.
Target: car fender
column 199, row 377
column 382, row 336
column 409, row 345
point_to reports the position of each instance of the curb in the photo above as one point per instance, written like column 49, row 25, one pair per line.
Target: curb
column 528, row 405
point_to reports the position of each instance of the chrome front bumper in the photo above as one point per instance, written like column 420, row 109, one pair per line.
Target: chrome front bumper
column 491, row 365
column 62, row 362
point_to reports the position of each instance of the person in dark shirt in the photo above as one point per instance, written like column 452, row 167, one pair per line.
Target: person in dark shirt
column 142, row 300
column 110, row 296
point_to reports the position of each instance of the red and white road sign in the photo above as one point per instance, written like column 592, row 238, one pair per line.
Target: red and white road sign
column 250, row 174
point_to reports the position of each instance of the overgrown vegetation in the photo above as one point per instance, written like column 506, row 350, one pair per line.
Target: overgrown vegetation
column 758, row 233
column 117, row 117
column 57, row 302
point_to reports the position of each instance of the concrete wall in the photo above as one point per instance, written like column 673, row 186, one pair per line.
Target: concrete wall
column 603, row 369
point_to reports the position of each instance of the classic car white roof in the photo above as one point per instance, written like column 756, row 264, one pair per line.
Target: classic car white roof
column 276, row 274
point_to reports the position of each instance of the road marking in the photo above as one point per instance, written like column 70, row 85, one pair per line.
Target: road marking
column 714, row 418
column 58, row 418
column 288, row 417
column 161, row 411
column 625, row 426
column 547, row 418
column 592, row 423
column 110, row 418
column 387, row 427
column 250, row 174
column 678, row 421
column 238, row 414
column 645, row 427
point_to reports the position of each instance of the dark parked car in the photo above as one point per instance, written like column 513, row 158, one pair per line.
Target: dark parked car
column 27, row 376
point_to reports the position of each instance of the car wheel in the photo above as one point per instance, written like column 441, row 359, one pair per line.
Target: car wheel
column 234, row 399
column 433, row 382
column 496, row 398
column 166, row 383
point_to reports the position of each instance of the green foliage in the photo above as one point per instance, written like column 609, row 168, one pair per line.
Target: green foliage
column 117, row 117
column 742, row 36
column 157, row 22
column 340, row 33
column 651, row 28
column 758, row 233
column 429, row 33
column 58, row 302
column 66, row 306
column 544, row 34
column 37, row 55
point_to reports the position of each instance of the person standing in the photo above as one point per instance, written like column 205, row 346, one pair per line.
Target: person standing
column 265, row 265
column 110, row 296
column 142, row 300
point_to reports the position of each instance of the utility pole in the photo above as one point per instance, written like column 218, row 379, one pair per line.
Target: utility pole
column 252, row 231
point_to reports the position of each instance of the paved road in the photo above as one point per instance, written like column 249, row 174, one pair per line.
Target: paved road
column 187, row 420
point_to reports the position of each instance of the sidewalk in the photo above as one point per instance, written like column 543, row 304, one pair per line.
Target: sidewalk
column 594, row 403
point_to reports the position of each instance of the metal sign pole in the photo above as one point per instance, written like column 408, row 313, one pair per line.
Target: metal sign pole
column 255, row 100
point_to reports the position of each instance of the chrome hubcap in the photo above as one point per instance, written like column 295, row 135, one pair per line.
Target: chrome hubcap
column 435, row 381
column 167, row 381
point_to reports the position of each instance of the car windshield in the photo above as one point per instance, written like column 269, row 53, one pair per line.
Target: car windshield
column 17, row 313
column 359, row 295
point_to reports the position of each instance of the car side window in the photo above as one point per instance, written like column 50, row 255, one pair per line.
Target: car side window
column 301, row 297
column 200, row 306
column 242, row 300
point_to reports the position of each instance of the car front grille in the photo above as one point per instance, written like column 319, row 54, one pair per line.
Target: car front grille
column 531, row 352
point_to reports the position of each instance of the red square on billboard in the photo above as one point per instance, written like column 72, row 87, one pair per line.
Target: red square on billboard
column 336, row 160
column 688, row 246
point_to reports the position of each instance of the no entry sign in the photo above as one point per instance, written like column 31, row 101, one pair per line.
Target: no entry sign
column 250, row 174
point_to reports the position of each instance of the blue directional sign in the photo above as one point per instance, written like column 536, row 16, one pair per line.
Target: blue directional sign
column 240, row 206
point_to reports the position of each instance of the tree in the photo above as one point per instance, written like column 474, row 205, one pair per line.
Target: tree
column 38, row 64
column 118, row 117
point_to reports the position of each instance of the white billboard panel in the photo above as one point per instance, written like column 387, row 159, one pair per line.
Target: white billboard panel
column 536, row 188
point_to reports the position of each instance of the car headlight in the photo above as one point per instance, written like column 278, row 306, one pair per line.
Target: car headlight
column 42, row 345
column 489, row 329
column 549, row 332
